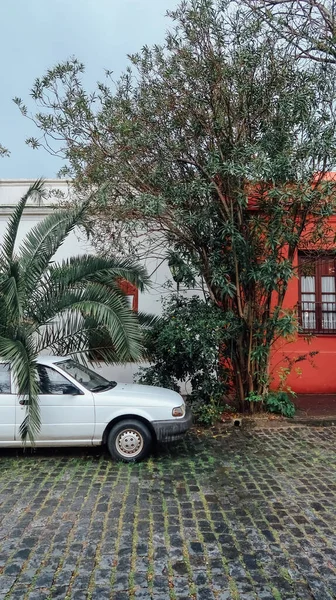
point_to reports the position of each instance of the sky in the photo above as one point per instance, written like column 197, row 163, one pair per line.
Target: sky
column 37, row 34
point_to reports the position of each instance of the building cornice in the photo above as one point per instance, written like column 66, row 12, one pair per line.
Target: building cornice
column 17, row 182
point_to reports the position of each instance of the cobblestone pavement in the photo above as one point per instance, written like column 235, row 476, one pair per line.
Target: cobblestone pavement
column 247, row 515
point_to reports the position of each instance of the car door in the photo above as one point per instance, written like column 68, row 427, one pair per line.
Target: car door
column 67, row 411
column 7, row 405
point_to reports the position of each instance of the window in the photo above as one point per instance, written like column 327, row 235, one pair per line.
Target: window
column 317, row 287
column 89, row 379
column 5, row 379
column 52, row 382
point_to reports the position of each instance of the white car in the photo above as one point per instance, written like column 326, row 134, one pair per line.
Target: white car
column 81, row 408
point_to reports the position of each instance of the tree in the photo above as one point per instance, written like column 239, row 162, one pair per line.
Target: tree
column 65, row 307
column 206, row 148
column 307, row 26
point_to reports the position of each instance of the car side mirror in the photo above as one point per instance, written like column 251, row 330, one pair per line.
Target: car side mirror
column 72, row 390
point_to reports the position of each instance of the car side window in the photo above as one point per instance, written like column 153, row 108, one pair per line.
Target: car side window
column 52, row 382
column 5, row 379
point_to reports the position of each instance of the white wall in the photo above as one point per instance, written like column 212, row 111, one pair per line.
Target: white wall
column 11, row 191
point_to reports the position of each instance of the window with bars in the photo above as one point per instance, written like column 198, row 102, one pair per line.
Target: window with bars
column 317, row 293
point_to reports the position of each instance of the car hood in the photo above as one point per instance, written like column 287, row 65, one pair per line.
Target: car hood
column 147, row 395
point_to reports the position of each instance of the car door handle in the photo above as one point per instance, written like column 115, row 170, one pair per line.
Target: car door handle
column 23, row 402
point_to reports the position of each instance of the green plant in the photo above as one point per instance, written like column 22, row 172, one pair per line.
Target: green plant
column 254, row 397
column 280, row 403
column 69, row 307
column 207, row 414
column 184, row 345
column 158, row 375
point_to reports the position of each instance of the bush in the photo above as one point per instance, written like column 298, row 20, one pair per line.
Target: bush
column 208, row 414
column 184, row 345
column 254, row 397
column 280, row 403
column 157, row 375
column 275, row 402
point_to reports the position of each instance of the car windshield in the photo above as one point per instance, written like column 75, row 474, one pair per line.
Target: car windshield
column 89, row 379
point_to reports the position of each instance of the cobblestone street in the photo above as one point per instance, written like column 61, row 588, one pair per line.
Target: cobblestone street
column 247, row 515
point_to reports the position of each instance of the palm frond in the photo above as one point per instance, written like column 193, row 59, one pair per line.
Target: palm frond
column 86, row 342
column 22, row 356
column 53, row 296
column 12, row 228
column 42, row 242
column 110, row 311
column 119, row 321
column 10, row 293
column 89, row 268
column 100, row 344
column 53, row 333
column 148, row 321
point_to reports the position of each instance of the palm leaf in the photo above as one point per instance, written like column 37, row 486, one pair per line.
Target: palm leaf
column 12, row 228
column 20, row 353
column 10, row 292
column 42, row 242
column 119, row 321
column 148, row 321
column 89, row 268
column 108, row 310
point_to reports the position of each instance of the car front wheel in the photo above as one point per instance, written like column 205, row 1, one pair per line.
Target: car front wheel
column 129, row 441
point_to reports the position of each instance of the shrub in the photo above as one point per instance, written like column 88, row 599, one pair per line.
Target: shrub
column 280, row 403
column 208, row 414
column 157, row 375
column 254, row 397
column 184, row 345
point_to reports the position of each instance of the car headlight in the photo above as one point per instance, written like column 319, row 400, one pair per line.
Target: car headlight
column 178, row 411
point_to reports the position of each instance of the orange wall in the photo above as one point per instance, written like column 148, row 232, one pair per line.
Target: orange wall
column 319, row 373
column 131, row 290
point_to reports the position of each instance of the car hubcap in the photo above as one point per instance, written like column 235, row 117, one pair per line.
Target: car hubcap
column 129, row 442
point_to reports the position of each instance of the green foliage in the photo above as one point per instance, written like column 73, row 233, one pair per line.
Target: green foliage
column 185, row 345
column 158, row 375
column 254, row 397
column 208, row 414
column 280, row 403
column 67, row 307
column 207, row 150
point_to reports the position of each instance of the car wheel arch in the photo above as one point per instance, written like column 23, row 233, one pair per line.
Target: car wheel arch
column 125, row 417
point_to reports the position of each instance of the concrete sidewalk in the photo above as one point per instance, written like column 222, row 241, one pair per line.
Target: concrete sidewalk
column 315, row 407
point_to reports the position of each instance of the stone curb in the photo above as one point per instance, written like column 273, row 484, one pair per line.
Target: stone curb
column 259, row 423
column 296, row 422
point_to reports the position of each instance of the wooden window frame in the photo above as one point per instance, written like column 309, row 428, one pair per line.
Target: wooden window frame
column 318, row 262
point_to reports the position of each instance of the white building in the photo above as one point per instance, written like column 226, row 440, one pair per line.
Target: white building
column 11, row 190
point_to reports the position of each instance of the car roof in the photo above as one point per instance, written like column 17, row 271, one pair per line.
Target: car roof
column 43, row 360
column 50, row 360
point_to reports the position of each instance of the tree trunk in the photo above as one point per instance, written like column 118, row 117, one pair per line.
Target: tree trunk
column 250, row 378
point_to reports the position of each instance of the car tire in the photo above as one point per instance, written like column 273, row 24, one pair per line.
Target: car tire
column 129, row 441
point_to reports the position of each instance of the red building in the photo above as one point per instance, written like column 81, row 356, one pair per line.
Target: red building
column 312, row 354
